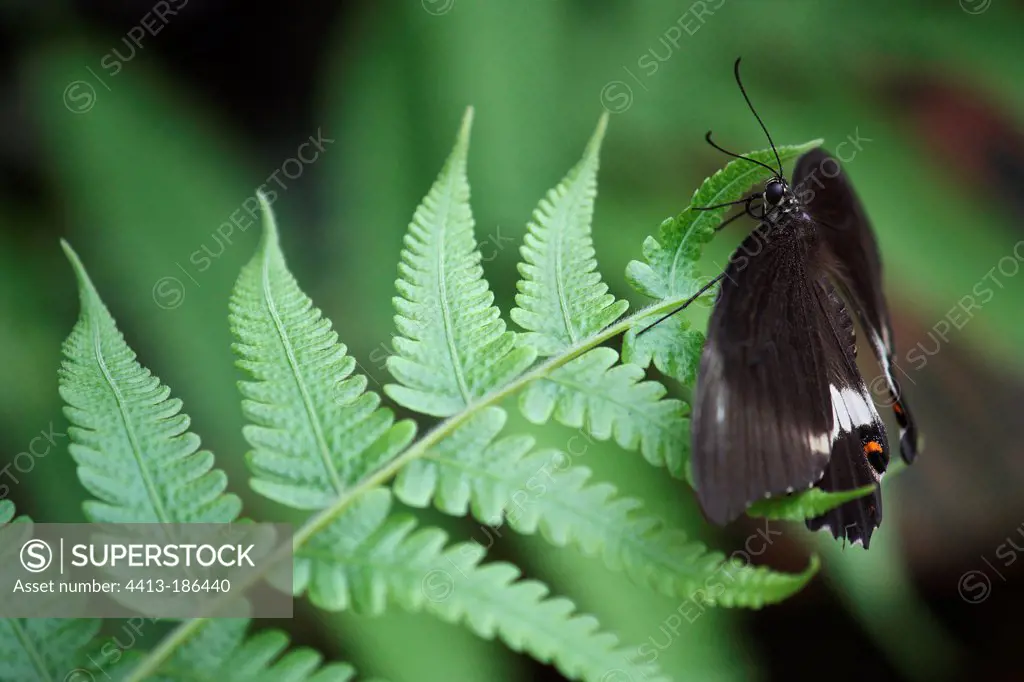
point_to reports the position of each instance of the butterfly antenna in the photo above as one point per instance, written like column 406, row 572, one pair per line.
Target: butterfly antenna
column 738, row 156
column 739, row 82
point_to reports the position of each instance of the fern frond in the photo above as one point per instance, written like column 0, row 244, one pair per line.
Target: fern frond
column 561, row 296
column 806, row 504
column 367, row 560
column 221, row 651
column 672, row 257
column 315, row 428
column 453, row 346
column 607, row 400
column 133, row 448
column 541, row 491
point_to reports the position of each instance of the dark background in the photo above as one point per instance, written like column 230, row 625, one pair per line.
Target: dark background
column 138, row 168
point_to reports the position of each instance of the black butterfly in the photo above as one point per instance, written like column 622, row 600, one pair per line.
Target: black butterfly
column 780, row 405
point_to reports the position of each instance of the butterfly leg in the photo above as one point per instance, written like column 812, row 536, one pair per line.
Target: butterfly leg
column 682, row 306
column 729, row 220
column 747, row 210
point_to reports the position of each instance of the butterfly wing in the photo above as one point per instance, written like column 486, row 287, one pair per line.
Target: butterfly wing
column 855, row 463
column 778, row 397
column 860, row 448
column 828, row 196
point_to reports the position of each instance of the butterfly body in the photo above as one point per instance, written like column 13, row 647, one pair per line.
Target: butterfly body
column 780, row 404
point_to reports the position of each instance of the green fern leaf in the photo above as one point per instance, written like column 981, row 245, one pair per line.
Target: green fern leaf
column 221, row 652
column 806, row 504
column 453, row 347
column 541, row 491
column 315, row 428
column 607, row 399
column 569, row 511
column 671, row 264
column 133, row 448
column 6, row 511
column 367, row 560
column 673, row 346
column 561, row 297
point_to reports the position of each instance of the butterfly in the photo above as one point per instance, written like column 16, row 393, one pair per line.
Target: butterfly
column 780, row 405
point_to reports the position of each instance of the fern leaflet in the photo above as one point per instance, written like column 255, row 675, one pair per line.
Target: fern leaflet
column 315, row 428
column 367, row 560
column 468, row 467
column 499, row 479
column 607, row 400
column 133, row 448
column 561, row 296
column 220, row 652
column 453, row 347
column 805, row 504
column 672, row 345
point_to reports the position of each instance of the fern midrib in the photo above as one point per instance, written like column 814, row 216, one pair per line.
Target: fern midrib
column 37, row 658
column 560, row 235
column 698, row 221
column 442, row 286
column 147, row 479
column 293, row 364
column 325, row 517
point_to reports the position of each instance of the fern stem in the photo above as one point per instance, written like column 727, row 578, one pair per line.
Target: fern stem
column 324, row 518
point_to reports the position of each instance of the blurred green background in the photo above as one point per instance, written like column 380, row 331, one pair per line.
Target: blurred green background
column 135, row 136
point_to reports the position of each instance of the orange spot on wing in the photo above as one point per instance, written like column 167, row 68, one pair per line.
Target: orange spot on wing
column 872, row 446
column 897, row 409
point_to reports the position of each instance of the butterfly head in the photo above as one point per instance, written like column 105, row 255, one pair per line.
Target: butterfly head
column 775, row 191
column 778, row 195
